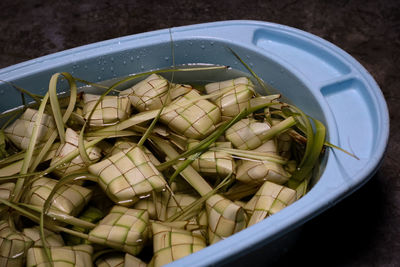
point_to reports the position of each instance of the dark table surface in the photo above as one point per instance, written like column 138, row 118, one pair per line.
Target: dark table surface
column 363, row 229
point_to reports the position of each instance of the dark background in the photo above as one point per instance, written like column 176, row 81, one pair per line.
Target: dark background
column 362, row 230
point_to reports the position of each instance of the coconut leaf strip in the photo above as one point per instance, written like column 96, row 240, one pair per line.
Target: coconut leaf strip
column 61, row 216
column 341, row 149
column 21, row 210
column 3, row 152
column 123, row 133
column 254, row 155
column 64, row 119
column 303, row 120
column 55, row 106
column 13, row 168
column 35, row 218
column 38, row 159
column 81, row 147
column 33, row 139
column 32, row 142
column 14, row 157
column 10, row 177
column 315, row 152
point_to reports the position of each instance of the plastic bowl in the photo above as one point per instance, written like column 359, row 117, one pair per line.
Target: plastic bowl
column 323, row 80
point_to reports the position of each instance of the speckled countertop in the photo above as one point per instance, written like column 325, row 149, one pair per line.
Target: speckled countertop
column 362, row 230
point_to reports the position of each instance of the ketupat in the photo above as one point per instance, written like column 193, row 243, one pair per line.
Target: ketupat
column 20, row 131
column 235, row 100
column 224, row 218
column 259, row 171
column 193, row 120
column 171, row 243
column 110, row 110
column 78, row 256
column 268, row 200
column 77, row 164
column 13, row 246
column 127, row 176
column 149, row 94
column 123, row 229
column 69, row 199
column 214, row 163
column 250, row 134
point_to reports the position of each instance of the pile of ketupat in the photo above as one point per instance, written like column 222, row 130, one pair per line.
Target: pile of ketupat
column 99, row 179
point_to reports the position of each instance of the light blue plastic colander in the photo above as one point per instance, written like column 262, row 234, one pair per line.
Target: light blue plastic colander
column 320, row 78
